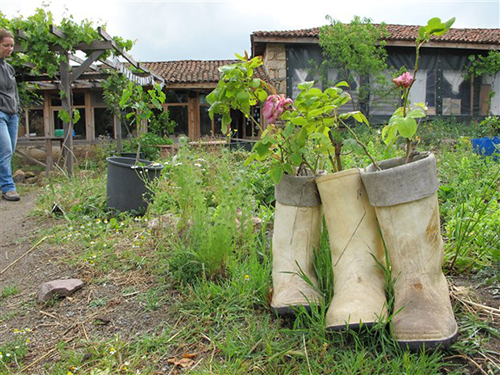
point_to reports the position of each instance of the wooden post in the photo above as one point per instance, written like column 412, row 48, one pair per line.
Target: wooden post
column 68, row 127
column 118, row 133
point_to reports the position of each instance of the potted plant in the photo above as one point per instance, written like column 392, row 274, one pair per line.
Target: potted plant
column 300, row 140
column 128, row 178
column 355, row 242
column 297, row 221
column 404, row 194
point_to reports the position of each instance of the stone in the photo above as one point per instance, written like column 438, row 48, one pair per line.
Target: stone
column 61, row 288
column 30, row 174
column 19, row 176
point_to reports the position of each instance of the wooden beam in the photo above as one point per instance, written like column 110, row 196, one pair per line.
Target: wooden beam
column 95, row 45
column 85, row 65
column 80, row 61
column 108, row 38
column 68, row 126
column 55, row 31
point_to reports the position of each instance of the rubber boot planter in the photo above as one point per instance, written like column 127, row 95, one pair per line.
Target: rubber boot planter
column 127, row 183
column 297, row 229
column 406, row 203
column 356, row 245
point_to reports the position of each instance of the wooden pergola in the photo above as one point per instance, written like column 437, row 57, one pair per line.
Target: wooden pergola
column 85, row 72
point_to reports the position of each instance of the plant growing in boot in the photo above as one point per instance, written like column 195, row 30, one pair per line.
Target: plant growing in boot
column 404, row 194
column 297, row 142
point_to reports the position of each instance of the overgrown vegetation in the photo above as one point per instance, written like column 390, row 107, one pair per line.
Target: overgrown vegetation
column 204, row 247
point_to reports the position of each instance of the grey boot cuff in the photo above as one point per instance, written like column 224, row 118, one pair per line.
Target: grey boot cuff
column 299, row 191
column 400, row 183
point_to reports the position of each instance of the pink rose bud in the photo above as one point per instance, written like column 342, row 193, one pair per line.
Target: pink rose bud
column 404, row 80
column 275, row 106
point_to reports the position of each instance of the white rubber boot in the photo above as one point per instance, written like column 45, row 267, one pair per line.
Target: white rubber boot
column 405, row 200
column 356, row 246
column 297, row 228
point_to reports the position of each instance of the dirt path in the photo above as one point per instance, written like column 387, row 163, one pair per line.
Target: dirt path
column 14, row 224
column 97, row 311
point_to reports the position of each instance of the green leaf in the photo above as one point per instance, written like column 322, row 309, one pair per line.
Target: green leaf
column 296, row 158
column 342, row 84
column 389, row 134
column 262, row 95
column 262, row 148
column 226, row 121
column 287, row 132
column 305, row 85
column 407, row 127
column 242, row 97
column 276, row 173
column 416, row 113
column 301, row 121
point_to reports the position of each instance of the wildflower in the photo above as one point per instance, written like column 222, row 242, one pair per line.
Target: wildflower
column 112, row 351
column 105, row 221
column 247, row 277
column 275, row 106
column 27, row 341
column 405, row 80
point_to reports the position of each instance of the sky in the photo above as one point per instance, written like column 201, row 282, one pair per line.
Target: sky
column 215, row 30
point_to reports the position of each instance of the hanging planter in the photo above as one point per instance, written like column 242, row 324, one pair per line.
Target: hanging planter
column 356, row 248
column 127, row 184
column 405, row 199
column 297, row 230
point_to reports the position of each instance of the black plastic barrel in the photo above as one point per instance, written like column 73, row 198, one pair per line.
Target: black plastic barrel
column 127, row 184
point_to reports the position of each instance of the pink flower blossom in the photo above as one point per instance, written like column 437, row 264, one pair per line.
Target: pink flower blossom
column 275, row 106
column 404, row 80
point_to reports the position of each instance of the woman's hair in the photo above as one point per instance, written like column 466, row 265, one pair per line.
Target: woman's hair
column 5, row 34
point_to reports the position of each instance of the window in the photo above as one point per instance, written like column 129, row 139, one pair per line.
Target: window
column 79, row 127
column 179, row 114
column 103, row 123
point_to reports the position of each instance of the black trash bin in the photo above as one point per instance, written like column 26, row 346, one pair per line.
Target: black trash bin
column 127, row 183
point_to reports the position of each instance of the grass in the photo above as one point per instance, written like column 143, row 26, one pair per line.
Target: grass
column 203, row 265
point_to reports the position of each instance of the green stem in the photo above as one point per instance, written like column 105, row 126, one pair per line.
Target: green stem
column 363, row 146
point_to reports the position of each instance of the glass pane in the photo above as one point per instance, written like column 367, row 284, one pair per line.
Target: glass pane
column 79, row 127
column 103, row 121
column 78, row 98
column 35, row 120
column 55, row 100
column 21, row 132
column 205, row 122
column 180, row 116
column 176, row 96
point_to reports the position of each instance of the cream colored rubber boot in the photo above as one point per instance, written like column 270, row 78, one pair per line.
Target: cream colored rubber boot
column 356, row 246
column 405, row 200
column 297, row 228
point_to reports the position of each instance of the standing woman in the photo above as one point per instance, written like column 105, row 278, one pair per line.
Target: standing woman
column 9, row 107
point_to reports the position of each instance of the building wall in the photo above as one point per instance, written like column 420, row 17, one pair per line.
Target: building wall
column 275, row 64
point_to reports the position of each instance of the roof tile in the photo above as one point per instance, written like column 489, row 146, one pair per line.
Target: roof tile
column 193, row 71
column 402, row 33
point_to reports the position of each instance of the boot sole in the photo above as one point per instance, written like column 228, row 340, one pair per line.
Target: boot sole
column 418, row 345
column 356, row 327
column 290, row 310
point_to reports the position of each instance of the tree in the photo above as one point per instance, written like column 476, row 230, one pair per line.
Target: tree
column 355, row 51
column 489, row 65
